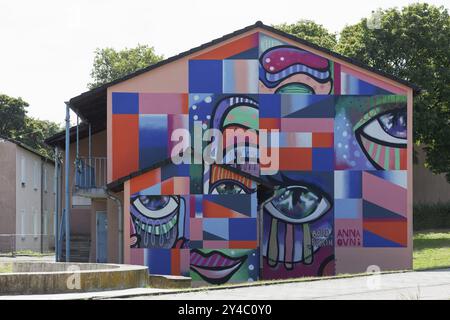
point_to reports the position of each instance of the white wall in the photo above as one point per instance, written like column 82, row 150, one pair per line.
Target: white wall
column 30, row 212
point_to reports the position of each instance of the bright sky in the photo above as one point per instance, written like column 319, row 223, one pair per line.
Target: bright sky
column 47, row 46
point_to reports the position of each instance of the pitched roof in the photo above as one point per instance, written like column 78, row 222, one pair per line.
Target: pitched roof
column 91, row 105
column 28, row 148
column 117, row 185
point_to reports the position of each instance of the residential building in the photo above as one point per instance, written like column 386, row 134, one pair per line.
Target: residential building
column 330, row 191
column 27, row 199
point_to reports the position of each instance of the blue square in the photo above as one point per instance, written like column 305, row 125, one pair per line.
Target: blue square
column 158, row 261
column 215, row 229
column 125, row 103
column 270, row 106
column 153, row 139
column 348, row 208
column 347, row 184
column 242, row 229
column 322, row 159
column 205, row 76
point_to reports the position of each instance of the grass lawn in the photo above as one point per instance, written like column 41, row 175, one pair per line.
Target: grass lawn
column 431, row 249
column 4, row 268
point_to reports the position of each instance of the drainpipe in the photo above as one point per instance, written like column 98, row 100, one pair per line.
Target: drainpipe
column 43, row 163
column 120, row 223
column 67, row 185
column 56, row 210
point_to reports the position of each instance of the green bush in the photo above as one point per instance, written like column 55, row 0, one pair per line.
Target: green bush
column 431, row 216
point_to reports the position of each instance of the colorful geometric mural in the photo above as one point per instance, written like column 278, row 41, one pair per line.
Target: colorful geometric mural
column 338, row 138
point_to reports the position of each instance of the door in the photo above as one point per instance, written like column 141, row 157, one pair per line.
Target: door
column 102, row 236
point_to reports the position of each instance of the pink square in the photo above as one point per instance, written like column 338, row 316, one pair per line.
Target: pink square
column 196, row 229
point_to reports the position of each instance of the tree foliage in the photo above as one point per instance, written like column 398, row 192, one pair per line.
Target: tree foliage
column 12, row 115
column 15, row 124
column 310, row 31
column 110, row 64
column 414, row 44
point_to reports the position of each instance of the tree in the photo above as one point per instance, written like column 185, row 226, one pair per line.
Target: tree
column 35, row 132
column 12, row 115
column 15, row 124
column 310, row 31
column 414, row 44
column 110, row 64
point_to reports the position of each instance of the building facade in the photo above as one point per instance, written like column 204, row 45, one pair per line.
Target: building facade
column 324, row 185
column 27, row 199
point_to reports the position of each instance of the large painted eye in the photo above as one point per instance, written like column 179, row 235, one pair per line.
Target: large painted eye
column 298, row 204
column 389, row 127
column 156, row 207
column 384, row 140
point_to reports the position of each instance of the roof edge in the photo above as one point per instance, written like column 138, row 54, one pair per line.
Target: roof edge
column 258, row 24
column 28, row 148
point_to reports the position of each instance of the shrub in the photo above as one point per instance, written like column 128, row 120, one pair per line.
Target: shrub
column 431, row 216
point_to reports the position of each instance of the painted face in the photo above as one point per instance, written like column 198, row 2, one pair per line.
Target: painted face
column 155, row 220
column 233, row 116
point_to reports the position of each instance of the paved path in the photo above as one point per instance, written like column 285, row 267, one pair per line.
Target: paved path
column 43, row 258
column 408, row 285
column 403, row 286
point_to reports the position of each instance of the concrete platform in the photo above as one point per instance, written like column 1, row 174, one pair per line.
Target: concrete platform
column 36, row 277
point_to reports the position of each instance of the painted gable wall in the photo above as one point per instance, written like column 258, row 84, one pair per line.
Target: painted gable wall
column 344, row 165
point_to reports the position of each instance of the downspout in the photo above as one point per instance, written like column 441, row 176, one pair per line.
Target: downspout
column 120, row 223
column 56, row 209
column 67, row 185
column 42, row 203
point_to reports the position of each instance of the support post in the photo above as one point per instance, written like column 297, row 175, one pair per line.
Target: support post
column 66, row 181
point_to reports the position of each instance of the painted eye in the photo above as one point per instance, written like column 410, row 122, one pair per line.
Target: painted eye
column 298, row 204
column 384, row 139
column 228, row 187
column 389, row 127
column 156, row 207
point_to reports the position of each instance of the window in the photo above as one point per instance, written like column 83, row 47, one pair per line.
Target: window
column 35, row 175
column 22, row 171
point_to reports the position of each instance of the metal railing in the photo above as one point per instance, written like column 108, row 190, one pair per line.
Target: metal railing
column 90, row 173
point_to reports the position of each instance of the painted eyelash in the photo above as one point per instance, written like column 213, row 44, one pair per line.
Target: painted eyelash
column 381, row 104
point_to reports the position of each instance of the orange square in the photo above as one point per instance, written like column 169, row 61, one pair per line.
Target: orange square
column 145, row 180
column 167, row 187
column 322, row 140
column 269, row 123
column 296, row 159
column 125, row 144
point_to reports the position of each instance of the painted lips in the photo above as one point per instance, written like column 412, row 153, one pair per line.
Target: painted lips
column 215, row 267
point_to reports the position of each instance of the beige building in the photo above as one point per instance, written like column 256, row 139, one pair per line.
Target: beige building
column 27, row 198
column 429, row 188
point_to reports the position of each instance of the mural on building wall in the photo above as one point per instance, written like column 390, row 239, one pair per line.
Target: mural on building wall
column 341, row 180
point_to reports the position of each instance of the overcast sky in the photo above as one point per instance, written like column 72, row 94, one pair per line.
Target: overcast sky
column 47, row 46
